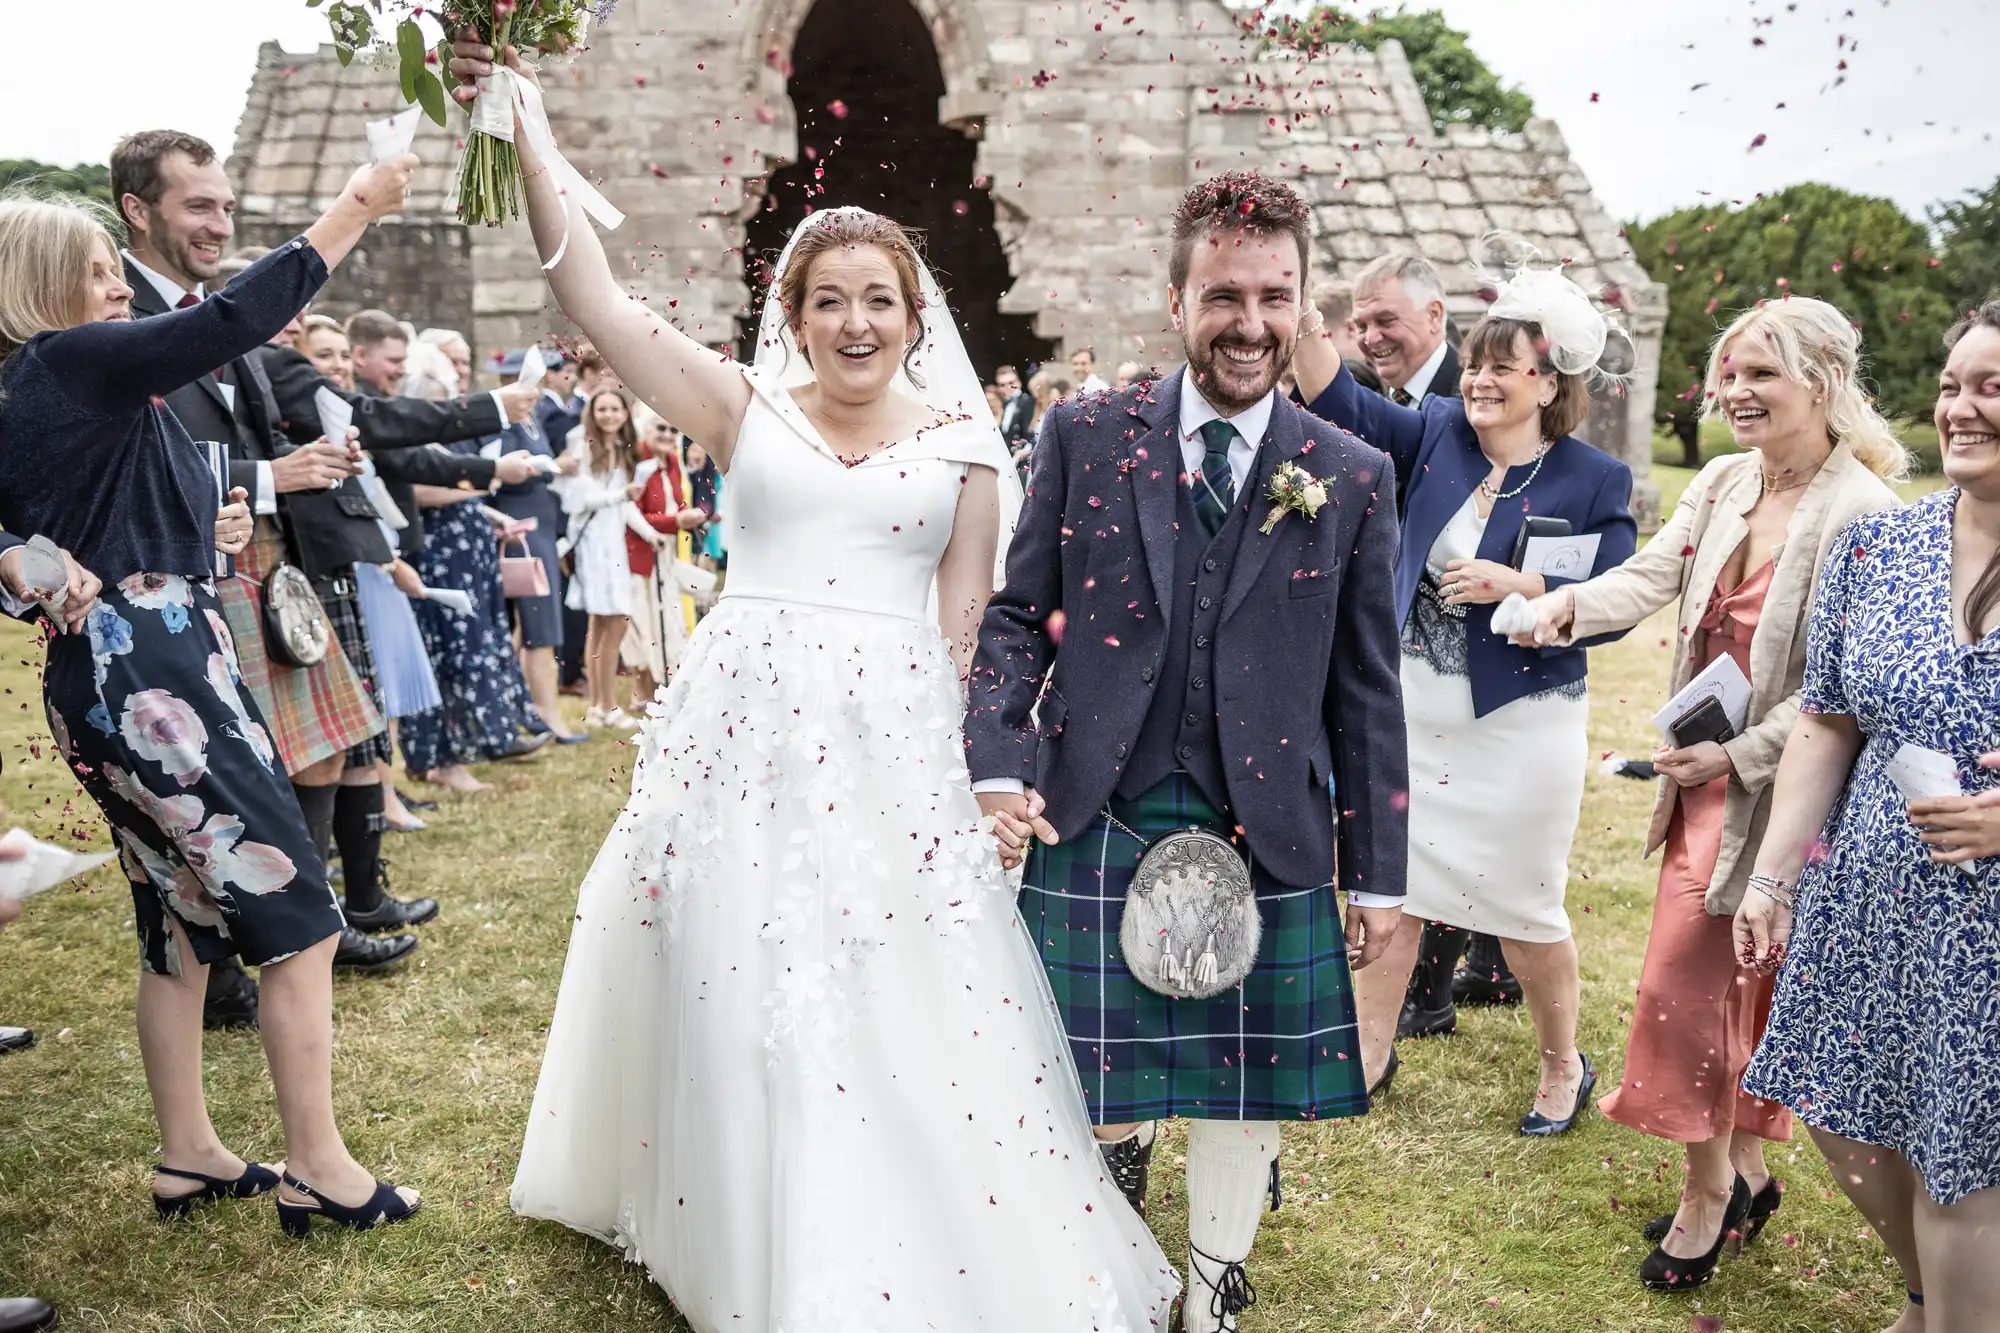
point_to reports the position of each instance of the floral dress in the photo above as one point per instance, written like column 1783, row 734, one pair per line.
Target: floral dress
column 485, row 698
column 1886, row 1023
column 148, row 707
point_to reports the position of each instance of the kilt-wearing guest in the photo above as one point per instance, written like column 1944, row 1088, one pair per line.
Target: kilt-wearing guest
column 1488, row 853
column 1149, row 521
column 147, row 704
column 1740, row 554
column 175, row 201
column 1884, row 1030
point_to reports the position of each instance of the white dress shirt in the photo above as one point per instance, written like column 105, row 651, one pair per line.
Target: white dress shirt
column 264, row 497
column 1426, row 376
column 1251, row 424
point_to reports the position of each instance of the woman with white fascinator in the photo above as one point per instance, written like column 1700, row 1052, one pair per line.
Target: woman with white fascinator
column 1496, row 731
column 804, row 1063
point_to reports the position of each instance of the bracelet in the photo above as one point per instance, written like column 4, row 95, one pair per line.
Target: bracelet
column 530, row 175
column 1775, row 889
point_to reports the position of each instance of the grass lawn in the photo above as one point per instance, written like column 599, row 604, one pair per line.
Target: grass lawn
column 1429, row 1215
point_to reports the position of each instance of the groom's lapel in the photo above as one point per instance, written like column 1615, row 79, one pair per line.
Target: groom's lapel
column 1156, row 479
column 1283, row 440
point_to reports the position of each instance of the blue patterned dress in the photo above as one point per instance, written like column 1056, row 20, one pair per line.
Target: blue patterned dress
column 485, row 698
column 1886, row 1023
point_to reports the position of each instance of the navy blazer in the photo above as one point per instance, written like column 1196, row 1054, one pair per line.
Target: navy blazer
column 1438, row 467
column 1306, row 652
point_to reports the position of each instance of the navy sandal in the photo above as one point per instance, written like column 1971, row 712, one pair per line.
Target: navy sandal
column 383, row 1207
column 254, row 1181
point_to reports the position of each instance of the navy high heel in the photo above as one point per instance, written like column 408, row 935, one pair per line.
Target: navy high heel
column 1536, row 1125
column 254, row 1181
column 384, row 1207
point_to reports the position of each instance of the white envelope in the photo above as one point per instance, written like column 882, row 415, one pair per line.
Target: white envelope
column 455, row 600
column 336, row 414
column 1513, row 616
column 393, row 135
column 1723, row 680
column 1571, row 557
column 43, row 867
column 533, row 367
column 1925, row 775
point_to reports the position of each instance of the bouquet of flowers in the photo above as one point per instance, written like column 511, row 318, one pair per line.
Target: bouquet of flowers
column 489, row 180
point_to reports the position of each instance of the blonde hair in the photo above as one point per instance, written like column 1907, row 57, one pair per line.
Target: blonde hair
column 45, row 252
column 1819, row 347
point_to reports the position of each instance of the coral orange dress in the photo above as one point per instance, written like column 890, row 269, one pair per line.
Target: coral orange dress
column 1699, row 1015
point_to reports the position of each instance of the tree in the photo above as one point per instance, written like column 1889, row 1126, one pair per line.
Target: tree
column 1457, row 86
column 86, row 178
column 1970, row 233
column 1858, row 252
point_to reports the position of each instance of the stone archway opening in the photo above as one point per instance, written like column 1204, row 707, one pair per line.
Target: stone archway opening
column 866, row 83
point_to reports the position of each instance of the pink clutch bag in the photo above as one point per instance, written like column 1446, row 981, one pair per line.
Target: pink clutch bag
column 522, row 575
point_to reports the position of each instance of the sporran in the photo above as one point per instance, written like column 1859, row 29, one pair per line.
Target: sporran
column 1191, row 926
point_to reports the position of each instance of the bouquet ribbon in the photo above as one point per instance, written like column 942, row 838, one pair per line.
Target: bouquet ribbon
column 501, row 95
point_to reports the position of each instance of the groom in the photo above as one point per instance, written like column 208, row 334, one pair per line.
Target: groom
column 1158, row 659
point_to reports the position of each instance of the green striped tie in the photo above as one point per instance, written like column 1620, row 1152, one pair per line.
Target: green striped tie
column 1215, row 488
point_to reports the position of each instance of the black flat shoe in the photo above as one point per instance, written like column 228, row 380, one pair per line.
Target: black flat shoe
column 412, row 803
column 359, row 953
column 25, row 1314
column 1536, row 1125
column 1663, row 1272
column 574, row 738
column 1762, row 1204
column 1381, row 1085
column 254, row 1181
column 391, row 914
column 523, row 746
column 1127, row 1161
column 16, row 1039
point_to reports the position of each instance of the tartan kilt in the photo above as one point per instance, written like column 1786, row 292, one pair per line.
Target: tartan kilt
column 312, row 712
column 341, row 600
column 1281, row 1046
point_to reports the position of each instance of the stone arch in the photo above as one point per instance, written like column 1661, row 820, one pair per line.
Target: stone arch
column 958, row 33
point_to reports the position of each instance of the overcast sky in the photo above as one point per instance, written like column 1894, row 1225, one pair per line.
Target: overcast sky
column 1681, row 91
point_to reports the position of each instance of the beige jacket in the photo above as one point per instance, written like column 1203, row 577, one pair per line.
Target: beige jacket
column 1683, row 561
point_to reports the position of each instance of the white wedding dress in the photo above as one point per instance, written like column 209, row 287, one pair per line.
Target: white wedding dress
column 804, row 1064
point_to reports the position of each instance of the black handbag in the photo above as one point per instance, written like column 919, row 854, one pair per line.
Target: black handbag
column 296, row 632
column 1536, row 526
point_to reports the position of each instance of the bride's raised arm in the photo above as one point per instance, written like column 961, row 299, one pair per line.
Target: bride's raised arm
column 698, row 390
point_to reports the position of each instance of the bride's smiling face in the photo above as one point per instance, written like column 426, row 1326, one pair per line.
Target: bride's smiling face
column 855, row 321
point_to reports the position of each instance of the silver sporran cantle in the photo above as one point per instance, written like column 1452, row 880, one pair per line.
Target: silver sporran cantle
column 1191, row 925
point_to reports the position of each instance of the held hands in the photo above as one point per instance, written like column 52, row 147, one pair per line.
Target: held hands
column 1554, row 613
column 1015, row 820
column 1695, row 765
column 514, row 468
column 318, row 466
column 1483, row 582
column 234, row 523
column 379, row 189
column 1369, row 932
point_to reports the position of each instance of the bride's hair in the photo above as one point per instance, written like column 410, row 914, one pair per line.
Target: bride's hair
column 845, row 227
column 620, row 449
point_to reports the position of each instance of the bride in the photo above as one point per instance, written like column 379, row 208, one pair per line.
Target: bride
column 804, row 1064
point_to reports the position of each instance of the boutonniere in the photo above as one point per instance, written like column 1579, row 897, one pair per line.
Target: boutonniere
column 1293, row 489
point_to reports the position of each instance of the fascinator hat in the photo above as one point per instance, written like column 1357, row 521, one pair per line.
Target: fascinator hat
column 1580, row 338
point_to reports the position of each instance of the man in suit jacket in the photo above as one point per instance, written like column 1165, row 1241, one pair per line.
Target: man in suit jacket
column 1403, row 330
column 1017, row 413
column 179, row 209
column 1223, row 659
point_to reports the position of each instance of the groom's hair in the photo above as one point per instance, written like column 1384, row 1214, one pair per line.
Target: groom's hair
column 1238, row 201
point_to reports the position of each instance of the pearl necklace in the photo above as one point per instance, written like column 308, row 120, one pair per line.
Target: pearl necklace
column 1494, row 497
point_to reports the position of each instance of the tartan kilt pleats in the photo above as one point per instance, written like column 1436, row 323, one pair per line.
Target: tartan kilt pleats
column 1281, row 1046
column 312, row 712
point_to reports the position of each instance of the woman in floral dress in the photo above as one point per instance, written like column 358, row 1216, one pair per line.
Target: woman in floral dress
column 148, row 705
column 1884, row 1034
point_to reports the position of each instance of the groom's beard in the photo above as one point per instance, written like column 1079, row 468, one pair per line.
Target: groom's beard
column 1229, row 386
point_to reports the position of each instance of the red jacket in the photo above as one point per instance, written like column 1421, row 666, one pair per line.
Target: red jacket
column 654, row 506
